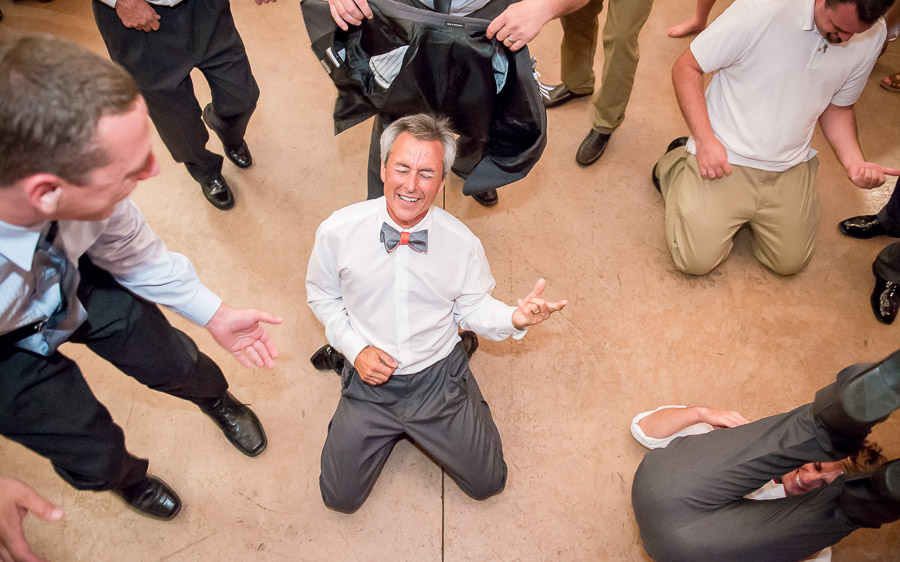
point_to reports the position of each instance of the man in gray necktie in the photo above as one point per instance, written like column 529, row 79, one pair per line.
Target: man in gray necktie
column 79, row 264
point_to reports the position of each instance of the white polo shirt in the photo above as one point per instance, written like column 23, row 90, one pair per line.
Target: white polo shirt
column 776, row 75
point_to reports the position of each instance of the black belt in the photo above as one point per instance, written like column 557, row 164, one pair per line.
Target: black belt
column 10, row 338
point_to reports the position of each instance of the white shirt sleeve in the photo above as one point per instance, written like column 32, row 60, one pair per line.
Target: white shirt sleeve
column 726, row 39
column 324, row 296
column 138, row 259
column 475, row 309
column 658, row 443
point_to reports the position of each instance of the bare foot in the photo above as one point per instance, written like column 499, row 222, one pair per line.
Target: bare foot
column 687, row 27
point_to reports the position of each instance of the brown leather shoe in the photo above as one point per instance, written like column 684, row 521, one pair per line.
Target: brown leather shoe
column 592, row 147
column 558, row 94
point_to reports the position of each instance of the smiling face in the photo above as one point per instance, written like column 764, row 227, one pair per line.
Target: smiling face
column 810, row 476
column 126, row 141
column 839, row 22
column 413, row 177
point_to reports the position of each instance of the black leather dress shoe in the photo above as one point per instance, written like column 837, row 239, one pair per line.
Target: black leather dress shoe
column 469, row 341
column 885, row 300
column 592, row 147
column 680, row 141
column 218, row 193
column 239, row 424
column 559, row 94
column 153, row 498
column 875, row 393
column 327, row 358
column 487, row 198
column 864, row 227
column 240, row 155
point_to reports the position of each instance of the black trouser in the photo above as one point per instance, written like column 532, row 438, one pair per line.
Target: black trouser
column 889, row 216
column 887, row 263
column 688, row 498
column 194, row 33
column 47, row 406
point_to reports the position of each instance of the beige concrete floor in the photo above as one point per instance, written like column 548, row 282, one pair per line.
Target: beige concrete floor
column 636, row 333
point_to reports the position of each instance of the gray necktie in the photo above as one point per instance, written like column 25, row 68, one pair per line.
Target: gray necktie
column 53, row 268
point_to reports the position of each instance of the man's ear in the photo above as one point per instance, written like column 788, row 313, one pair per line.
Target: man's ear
column 44, row 192
column 382, row 171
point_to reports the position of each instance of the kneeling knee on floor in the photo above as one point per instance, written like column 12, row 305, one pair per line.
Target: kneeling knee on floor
column 485, row 489
column 345, row 503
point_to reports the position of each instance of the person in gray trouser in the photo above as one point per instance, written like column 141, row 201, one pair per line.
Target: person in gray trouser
column 392, row 280
column 688, row 497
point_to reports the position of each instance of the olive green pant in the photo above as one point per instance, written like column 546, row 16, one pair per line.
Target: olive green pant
column 624, row 20
column 702, row 216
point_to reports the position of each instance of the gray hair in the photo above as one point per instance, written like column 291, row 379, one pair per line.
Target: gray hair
column 425, row 128
column 52, row 95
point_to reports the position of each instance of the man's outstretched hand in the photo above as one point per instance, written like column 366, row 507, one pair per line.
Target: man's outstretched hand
column 533, row 309
column 239, row 332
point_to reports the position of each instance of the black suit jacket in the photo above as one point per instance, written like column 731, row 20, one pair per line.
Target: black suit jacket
column 447, row 70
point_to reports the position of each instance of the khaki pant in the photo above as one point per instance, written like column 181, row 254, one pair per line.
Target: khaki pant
column 702, row 216
column 624, row 21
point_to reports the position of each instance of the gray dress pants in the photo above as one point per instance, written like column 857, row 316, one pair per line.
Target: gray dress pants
column 440, row 409
column 688, row 498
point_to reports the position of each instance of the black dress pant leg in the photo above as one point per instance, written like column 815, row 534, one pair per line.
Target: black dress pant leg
column 887, row 263
column 889, row 216
column 132, row 334
column 227, row 69
column 373, row 175
column 161, row 62
column 46, row 405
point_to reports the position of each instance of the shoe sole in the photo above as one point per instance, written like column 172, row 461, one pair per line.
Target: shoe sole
column 486, row 203
column 871, row 396
column 886, row 480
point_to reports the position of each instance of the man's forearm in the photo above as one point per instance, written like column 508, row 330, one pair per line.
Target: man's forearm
column 839, row 127
column 669, row 421
column 687, row 77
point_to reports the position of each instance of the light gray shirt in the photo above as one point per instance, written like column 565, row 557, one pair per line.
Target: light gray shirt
column 123, row 244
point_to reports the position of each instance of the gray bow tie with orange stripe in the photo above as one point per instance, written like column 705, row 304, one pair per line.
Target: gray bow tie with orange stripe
column 417, row 241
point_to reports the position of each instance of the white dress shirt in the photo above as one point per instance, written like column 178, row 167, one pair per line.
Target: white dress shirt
column 406, row 303
column 774, row 76
column 124, row 245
